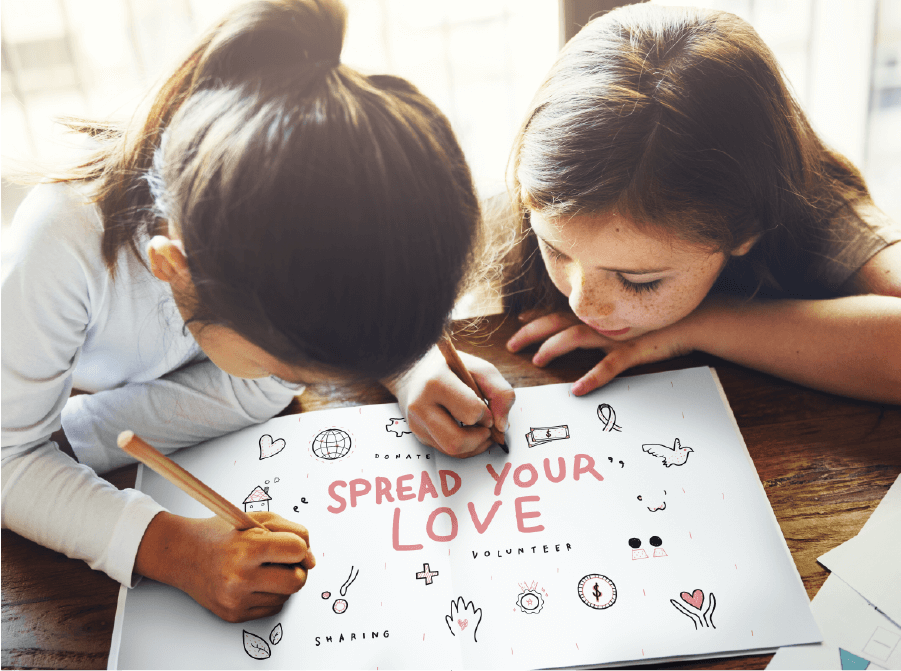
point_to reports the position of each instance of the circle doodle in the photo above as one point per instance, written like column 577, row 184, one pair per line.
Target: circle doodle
column 530, row 602
column 597, row 591
column 332, row 444
column 339, row 606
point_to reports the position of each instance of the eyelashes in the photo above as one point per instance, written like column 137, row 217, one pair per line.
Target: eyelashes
column 638, row 287
column 634, row 287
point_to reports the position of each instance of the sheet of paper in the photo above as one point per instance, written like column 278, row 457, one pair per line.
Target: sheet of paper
column 871, row 561
column 626, row 525
column 856, row 635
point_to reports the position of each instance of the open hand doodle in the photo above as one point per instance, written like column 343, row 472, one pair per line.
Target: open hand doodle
column 462, row 616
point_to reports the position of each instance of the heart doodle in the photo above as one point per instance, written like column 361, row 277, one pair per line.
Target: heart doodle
column 269, row 447
column 695, row 599
column 463, row 624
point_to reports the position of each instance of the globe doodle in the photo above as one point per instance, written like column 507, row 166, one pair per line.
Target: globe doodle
column 332, row 444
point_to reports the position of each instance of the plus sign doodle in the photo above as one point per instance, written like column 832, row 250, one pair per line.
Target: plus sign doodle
column 426, row 574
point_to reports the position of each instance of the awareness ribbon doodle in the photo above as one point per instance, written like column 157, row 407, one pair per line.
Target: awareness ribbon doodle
column 608, row 416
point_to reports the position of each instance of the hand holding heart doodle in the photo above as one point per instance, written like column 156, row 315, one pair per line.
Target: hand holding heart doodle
column 269, row 447
column 695, row 600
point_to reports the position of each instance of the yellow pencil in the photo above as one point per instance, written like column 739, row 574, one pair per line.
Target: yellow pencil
column 150, row 457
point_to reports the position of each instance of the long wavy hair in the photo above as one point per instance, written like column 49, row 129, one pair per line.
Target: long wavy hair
column 681, row 120
column 327, row 216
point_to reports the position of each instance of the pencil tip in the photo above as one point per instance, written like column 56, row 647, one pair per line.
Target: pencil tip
column 125, row 438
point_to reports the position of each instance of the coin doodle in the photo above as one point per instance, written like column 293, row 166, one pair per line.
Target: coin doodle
column 597, row 591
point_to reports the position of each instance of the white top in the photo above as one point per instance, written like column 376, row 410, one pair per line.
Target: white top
column 67, row 323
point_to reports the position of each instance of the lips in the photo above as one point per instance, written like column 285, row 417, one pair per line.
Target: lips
column 617, row 332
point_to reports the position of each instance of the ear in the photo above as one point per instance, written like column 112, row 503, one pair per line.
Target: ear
column 746, row 246
column 168, row 261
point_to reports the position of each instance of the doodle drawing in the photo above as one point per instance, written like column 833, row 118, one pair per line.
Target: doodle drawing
column 332, row 444
column 672, row 456
column 639, row 553
column 276, row 634
column 654, row 508
column 257, row 647
column 621, row 463
column 608, row 416
column 340, row 605
column 463, row 615
column 398, row 425
column 530, row 601
column 269, row 447
column 597, row 591
column 257, row 500
column 426, row 574
column 692, row 606
column 545, row 434
column 881, row 643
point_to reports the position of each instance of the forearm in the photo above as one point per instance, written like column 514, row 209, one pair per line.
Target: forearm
column 849, row 346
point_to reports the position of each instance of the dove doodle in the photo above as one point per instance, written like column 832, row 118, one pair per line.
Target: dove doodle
column 672, row 456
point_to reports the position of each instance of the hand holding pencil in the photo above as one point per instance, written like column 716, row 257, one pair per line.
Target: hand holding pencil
column 239, row 566
column 454, row 402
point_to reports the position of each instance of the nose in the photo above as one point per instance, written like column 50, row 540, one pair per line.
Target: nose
column 588, row 300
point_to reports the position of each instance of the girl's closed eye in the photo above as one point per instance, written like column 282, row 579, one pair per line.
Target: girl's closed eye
column 639, row 287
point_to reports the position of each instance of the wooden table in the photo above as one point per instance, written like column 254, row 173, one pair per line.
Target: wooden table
column 824, row 461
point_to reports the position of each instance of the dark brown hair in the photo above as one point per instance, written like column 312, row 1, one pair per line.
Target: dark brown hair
column 680, row 120
column 327, row 216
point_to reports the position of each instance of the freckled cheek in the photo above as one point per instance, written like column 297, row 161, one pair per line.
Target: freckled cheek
column 662, row 308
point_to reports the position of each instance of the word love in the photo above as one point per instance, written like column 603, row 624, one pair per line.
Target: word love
column 401, row 489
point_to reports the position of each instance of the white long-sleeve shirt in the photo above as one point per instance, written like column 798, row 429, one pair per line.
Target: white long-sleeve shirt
column 67, row 323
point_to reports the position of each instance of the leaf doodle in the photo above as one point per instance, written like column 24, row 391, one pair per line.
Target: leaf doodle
column 276, row 634
column 255, row 646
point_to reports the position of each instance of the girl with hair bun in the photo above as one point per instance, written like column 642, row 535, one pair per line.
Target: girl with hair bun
column 272, row 218
column 672, row 196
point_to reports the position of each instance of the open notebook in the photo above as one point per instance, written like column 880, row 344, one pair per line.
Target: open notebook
column 628, row 525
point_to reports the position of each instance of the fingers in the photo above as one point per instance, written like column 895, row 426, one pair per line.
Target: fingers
column 275, row 522
column 438, row 428
column 497, row 390
column 653, row 346
column 575, row 337
column 280, row 579
column 541, row 328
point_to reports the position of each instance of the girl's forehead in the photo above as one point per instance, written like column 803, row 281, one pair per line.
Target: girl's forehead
column 609, row 238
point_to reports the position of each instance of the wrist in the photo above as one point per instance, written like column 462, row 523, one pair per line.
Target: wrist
column 704, row 327
column 160, row 553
